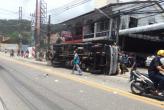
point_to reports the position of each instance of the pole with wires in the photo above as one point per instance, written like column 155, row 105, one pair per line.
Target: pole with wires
column 37, row 29
column 49, row 32
column 19, row 23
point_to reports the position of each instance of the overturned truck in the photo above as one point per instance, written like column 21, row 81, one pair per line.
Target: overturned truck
column 94, row 57
column 95, row 35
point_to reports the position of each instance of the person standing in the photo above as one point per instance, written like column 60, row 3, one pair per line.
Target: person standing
column 12, row 53
column 49, row 57
column 123, row 61
column 76, row 62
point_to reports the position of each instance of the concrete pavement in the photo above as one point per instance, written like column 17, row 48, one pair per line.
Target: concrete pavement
column 118, row 81
column 102, row 81
column 31, row 60
column 27, row 86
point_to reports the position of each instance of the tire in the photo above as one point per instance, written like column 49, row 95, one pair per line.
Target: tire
column 137, row 87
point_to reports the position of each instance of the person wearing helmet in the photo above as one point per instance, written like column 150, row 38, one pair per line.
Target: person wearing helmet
column 155, row 69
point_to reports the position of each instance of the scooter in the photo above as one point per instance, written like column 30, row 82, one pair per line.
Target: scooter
column 141, row 83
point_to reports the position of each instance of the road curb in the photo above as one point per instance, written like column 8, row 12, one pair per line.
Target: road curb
column 25, row 59
column 31, row 61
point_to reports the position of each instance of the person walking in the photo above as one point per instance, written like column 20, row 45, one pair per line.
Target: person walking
column 76, row 62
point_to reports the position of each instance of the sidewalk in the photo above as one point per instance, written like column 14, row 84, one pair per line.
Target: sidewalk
column 31, row 60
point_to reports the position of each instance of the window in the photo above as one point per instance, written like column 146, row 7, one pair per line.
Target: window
column 104, row 25
column 133, row 22
column 151, row 20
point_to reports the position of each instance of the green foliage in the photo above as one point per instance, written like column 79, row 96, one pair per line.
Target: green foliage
column 12, row 28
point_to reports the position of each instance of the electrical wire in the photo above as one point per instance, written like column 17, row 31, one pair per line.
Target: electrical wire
column 136, row 9
column 161, row 3
column 9, row 11
column 67, row 7
column 131, row 11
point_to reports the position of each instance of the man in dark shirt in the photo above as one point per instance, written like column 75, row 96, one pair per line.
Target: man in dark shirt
column 155, row 69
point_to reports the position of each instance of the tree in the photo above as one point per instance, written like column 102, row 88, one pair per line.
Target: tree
column 12, row 28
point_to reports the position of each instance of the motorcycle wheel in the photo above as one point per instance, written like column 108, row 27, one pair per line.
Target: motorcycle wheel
column 137, row 87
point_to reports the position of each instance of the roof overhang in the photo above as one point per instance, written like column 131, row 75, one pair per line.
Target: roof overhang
column 112, row 10
column 142, row 29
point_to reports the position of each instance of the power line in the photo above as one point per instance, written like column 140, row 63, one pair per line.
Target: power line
column 1, row 9
column 67, row 7
column 149, row 15
column 134, row 10
column 9, row 12
column 125, row 11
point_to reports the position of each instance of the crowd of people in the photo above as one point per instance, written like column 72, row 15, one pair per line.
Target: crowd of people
column 26, row 54
column 22, row 53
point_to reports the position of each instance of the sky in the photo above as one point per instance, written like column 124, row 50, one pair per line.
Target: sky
column 9, row 9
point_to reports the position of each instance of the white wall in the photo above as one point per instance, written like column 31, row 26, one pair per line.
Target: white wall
column 8, row 46
column 143, row 19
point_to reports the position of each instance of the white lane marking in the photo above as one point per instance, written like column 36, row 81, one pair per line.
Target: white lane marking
column 47, row 69
column 85, row 77
column 115, row 92
column 81, row 91
column 1, row 106
column 56, row 80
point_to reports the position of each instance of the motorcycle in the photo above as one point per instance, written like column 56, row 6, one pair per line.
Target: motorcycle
column 141, row 83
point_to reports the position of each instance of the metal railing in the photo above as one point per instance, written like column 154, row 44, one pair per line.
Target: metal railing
column 98, row 34
column 102, row 34
column 90, row 35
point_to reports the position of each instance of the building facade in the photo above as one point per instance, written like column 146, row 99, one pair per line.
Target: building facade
column 134, row 21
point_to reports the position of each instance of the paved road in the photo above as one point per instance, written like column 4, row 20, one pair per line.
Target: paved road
column 29, row 87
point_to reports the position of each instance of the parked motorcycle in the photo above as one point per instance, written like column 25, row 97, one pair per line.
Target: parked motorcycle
column 141, row 83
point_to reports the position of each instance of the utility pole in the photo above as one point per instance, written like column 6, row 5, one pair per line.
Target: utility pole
column 19, row 23
column 40, row 19
column 37, row 28
column 49, row 32
column 32, row 29
column 20, row 13
column 43, row 21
